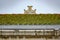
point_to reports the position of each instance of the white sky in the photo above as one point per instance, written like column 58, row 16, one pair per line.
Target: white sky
column 18, row 6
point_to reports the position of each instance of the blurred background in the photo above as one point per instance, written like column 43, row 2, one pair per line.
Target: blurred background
column 18, row 6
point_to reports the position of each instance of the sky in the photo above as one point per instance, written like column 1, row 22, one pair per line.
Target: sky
column 18, row 6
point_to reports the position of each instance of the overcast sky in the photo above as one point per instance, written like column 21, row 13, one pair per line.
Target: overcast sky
column 18, row 6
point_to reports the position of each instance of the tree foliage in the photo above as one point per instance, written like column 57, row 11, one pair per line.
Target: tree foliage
column 29, row 19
